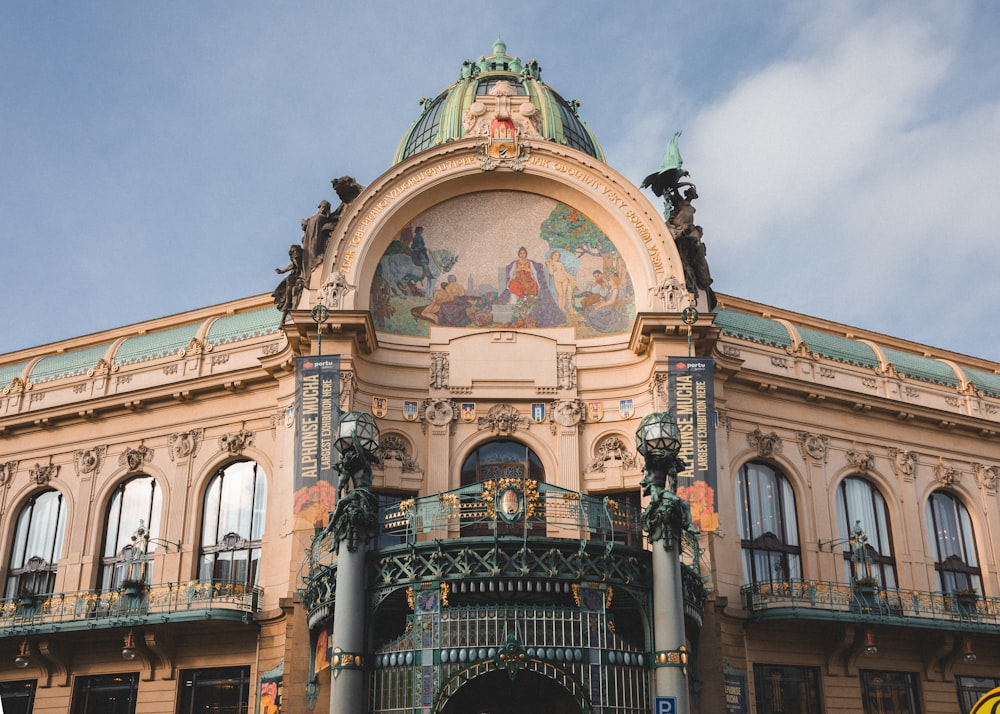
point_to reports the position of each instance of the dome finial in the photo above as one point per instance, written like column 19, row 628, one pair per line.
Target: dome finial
column 499, row 47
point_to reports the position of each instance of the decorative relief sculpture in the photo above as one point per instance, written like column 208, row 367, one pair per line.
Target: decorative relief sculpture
column 236, row 442
column 16, row 386
column 566, row 370
column 767, row 445
column 672, row 293
column 503, row 419
column 335, row 289
column 7, row 472
column 394, row 448
column 904, row 463
column 567, row 412
column 103, row 366
column 613, row 451
column 986, row 476
column 41, row 475
column 947, row 476
column 863, row 461
column 185, row 444
column 133, row 459
column 813, row 446
column 89, row 461
column 439, row 412
column 348, row 388
column 658, row 390
column 439, row 370
column 503, row 118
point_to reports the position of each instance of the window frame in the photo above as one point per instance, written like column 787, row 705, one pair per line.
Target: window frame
column 120, row 564
column 954, row 570
column 34, row 573
column 759, row 548
column 223, row 548
column 879, row 548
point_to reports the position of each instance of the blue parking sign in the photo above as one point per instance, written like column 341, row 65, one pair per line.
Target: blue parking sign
column 665, row 705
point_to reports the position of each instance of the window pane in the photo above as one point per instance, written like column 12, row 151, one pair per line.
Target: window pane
column 135, row 501
column 38, row 540
column 233, row 523
column 889, row 692
column 768, row 525
column 222, row 690
column 972, row 689
column 17, row 697
column 953, row 543
column 106, row 694
column 786, row 690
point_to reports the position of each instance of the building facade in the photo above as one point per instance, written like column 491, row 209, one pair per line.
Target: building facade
column 507, row 308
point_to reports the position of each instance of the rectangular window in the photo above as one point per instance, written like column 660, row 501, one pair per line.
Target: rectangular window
column 220, row 690
column 17, row 697
column 106, row 694
column 889, row 692
column 972, row 689
column 780, row 689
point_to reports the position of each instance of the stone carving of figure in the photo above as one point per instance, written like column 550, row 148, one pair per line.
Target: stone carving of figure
column 565, row 370
column 286, row 295
column 439, row 370
column 316, row 232
column 687, row 237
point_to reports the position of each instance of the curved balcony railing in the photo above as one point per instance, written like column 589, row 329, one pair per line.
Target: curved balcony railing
column 814, row 599
column 87, row 609
column 504, row 533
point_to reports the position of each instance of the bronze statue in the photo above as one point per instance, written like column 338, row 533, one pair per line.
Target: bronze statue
column 687, row 237
column 317, row 228
column 286, row 295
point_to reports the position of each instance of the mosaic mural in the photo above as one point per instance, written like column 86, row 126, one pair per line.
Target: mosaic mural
column 502, row 259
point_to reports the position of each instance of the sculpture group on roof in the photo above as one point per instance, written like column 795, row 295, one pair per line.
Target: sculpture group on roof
column 304, row 258
column 679, row 213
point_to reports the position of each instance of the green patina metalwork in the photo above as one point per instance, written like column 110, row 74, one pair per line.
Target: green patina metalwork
column 98, row 609
column 821, row 600
column 442, row 118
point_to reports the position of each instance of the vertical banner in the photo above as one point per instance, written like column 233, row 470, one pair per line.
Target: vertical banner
column 691, row 389
column 317, row 402
column 735, row 683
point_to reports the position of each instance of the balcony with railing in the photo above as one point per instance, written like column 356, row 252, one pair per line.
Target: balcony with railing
column 867, row 602
column 134, row 604
column 503, row 536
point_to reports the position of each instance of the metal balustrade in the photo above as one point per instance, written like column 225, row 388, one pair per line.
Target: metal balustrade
column 89, row 609
column 814, row 599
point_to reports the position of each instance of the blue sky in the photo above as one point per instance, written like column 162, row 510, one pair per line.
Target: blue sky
column 158, row 157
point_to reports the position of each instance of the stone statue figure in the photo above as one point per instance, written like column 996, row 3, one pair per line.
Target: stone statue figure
column 677, row 209
column 687, row 238
column 317, row 228
column 316, row 232
column 286, row 295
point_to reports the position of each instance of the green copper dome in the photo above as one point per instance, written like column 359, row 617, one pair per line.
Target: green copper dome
column 444, row 118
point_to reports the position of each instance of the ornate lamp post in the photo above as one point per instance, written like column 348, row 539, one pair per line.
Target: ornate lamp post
column 351, row 524
column 665, row 519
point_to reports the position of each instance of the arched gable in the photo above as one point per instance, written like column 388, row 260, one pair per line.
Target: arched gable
column 489, row 215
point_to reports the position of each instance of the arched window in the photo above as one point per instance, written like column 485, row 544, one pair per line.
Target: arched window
column 38, row 543
column 769, row 531
column 233, row 524
column 135, row 502
column 503, row 458
column 859, row 501
column 953, row 543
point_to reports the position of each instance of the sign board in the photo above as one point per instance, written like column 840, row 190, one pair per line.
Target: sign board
column 665, row 705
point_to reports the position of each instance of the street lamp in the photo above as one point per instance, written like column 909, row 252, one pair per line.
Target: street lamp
column 23, row 658
column 658, row 432
column 357, row 430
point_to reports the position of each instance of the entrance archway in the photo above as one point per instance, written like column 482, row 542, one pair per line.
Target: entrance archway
column 496, row 693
